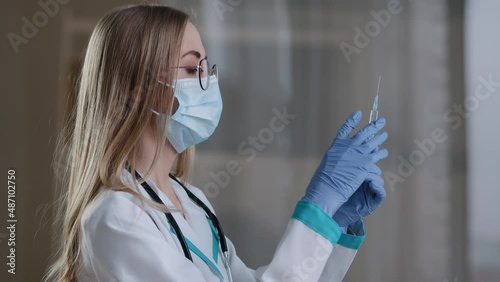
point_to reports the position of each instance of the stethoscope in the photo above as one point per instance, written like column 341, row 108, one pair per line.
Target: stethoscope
column 178, row 232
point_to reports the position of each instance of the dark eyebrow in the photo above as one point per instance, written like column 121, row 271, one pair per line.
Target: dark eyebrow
column 192, row 52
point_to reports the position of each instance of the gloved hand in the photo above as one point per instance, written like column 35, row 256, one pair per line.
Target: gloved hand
column 364, row 201
column 346, row 164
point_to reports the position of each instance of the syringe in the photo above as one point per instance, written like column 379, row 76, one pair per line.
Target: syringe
column 374, row 111
column 373, row 117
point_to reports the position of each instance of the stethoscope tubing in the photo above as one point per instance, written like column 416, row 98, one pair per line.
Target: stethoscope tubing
column 175, row 226
column 170, row 218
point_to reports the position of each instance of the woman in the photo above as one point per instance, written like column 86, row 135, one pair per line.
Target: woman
column 146, row 96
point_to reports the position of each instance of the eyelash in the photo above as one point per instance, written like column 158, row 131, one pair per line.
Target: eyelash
column 192, row 71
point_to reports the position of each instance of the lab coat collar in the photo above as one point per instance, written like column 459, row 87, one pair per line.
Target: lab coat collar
column 188, row 205
column 195, row 226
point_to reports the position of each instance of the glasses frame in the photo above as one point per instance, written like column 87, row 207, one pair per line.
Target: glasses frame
column 211, row 71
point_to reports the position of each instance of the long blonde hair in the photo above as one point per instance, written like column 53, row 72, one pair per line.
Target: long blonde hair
column 127, row 52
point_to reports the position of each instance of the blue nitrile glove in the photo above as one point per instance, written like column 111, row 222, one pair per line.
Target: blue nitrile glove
column 364, row 201
column 346, row 164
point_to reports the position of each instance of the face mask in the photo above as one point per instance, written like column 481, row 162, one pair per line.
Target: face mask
column 196, row 117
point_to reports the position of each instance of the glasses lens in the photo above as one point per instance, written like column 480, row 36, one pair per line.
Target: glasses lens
column 204, row 74
column 214, row 71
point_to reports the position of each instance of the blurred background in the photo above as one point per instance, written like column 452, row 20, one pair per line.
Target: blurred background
column 309, row 63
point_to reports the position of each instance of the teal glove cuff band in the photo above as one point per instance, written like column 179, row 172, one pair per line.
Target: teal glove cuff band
column 316, row 219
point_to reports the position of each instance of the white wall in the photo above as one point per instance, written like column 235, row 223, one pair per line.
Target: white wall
column 482, row 60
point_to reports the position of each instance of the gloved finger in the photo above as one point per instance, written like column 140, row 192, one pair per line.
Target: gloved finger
column 369, row 130
column 375, row 170
column 377, row 140
column 368, row 149
column 379, row 155
column 350, row 123
column 377, row 185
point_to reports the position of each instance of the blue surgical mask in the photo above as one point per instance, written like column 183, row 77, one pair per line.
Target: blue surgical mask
column 196, row 117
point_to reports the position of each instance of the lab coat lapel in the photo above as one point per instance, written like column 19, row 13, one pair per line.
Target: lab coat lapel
column 195, row 227
column 196, row 223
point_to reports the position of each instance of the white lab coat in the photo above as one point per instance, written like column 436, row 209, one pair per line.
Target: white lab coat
column 119, row 243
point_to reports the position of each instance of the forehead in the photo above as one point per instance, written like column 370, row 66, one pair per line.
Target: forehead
column 191, row 40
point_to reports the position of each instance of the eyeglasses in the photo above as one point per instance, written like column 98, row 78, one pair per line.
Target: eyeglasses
column 204, row 72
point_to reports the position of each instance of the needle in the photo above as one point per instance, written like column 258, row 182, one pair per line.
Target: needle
column 374, row 111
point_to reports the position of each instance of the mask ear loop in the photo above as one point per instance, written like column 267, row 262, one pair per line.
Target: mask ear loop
column 155, row 112
column 163, row 90
column 166, row 84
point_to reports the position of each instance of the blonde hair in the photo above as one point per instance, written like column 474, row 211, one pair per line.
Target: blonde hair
column 127, row 52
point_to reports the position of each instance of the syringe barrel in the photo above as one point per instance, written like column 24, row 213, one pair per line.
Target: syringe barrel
column 373, row 116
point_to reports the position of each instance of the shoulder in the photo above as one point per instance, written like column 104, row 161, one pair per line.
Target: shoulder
column 111, row 209
column 200, row 195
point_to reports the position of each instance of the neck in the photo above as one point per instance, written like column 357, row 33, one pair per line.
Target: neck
column 159, row 173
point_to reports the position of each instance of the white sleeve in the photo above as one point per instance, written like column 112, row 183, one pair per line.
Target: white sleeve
column 123, row 244
column 343, row 253
column 313, row 248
